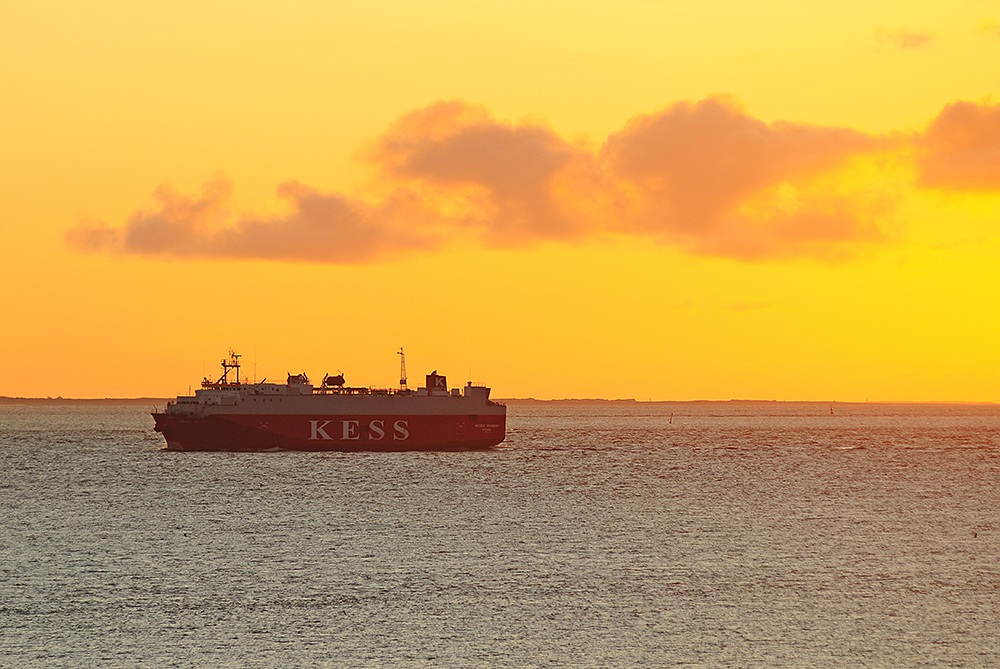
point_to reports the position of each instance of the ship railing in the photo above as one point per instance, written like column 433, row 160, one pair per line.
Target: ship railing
column 213, row 385
column 347, row 390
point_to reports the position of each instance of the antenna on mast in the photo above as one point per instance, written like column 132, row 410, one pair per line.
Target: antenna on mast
column 402, row 368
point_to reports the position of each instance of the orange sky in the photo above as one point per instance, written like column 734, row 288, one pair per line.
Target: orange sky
column 654, row 200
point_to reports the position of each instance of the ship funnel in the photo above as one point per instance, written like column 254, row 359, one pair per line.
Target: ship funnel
column 436, row 383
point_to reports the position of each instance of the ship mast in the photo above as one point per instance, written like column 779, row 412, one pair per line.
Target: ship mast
column 402, row 369
column 232, row 363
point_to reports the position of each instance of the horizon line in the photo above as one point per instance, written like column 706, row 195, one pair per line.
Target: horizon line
column 9, row 400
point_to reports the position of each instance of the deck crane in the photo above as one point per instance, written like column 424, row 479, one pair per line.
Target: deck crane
column 402, row 369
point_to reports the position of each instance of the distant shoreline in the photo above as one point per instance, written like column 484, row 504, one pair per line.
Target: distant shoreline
column 530, row 401
column 13, row 401
column 516, row 401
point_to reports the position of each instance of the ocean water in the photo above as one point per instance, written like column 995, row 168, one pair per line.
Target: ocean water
column 709, row 535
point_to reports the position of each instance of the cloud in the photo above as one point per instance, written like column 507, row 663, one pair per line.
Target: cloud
column 749, row 306
column 505, row 178
column 705, row 176
column 961, row 148
column 989, row 28
column 711, row 178
column 901, row 38
column 322, row 227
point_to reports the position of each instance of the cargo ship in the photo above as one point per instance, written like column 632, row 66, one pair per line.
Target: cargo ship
column 235, row 415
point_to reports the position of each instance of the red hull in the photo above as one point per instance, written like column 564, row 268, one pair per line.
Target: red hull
column 296, row 432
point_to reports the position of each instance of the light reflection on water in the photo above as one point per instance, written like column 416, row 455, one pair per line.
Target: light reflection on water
column 608, row 536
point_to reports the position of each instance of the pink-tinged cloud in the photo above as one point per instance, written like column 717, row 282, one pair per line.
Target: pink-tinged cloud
column 989, row 28
column 694, row 168
column 704, row 176
column 508, row 176
column 961, row 148
column 322, row 227
column 901, row 38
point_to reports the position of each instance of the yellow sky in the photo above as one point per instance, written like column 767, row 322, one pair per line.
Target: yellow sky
column 608, row 204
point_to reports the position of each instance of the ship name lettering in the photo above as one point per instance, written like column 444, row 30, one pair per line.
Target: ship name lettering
column 351, row 431
column 317, row 431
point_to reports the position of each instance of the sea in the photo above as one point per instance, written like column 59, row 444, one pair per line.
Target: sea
column 728, row 534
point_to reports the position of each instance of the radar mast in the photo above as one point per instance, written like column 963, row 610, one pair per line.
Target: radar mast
column 232, row 363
